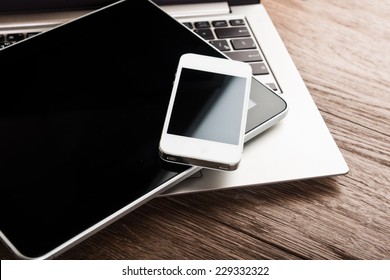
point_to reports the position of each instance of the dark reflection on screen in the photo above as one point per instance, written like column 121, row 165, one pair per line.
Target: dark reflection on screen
column 208, row 106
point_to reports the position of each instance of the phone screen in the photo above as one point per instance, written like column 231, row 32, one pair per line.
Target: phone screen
column 208, row 106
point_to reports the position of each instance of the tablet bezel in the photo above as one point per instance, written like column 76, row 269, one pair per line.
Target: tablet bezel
column 51, row 42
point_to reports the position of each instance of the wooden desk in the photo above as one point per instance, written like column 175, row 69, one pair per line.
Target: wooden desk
column 342, row 50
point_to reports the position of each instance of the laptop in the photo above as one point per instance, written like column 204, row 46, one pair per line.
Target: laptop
column 291, row 147
column 300, row 146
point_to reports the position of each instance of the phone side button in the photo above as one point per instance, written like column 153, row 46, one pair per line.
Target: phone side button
column 224, row 168
column 171, row 158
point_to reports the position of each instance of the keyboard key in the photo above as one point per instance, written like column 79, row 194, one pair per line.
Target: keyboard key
column 243, row 44
column 28, row 35
column 15, row 37
column 237, row 22
column 5, row 44
column 188, row 24
column 272, row 86
column 206, row 34
column 232, row 32
column 2, row 39
column 221, row 45
column 259, row 68
column 219, row 23
column 202, row 24
column 245, row 56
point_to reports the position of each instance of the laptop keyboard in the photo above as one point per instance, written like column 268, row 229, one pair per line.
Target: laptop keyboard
column 234, row 38
column 8, row 39
column 231, row 35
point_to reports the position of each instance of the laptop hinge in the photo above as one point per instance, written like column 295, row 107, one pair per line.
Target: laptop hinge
column 190, row 10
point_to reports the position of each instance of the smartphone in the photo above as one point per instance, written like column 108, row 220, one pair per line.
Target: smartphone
column 207, row 111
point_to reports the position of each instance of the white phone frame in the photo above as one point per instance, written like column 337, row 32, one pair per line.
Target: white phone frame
column 206, row 153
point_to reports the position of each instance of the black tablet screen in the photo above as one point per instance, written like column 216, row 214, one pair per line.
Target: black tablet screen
column 81, row 114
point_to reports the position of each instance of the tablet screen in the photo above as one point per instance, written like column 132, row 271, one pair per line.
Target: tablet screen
column 81, row 113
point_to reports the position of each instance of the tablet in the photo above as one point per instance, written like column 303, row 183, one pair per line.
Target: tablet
column 82, row 108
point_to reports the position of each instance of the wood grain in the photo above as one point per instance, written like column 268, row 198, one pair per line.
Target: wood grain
column 341, row 49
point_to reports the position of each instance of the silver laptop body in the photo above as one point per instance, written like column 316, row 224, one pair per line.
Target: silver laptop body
column 298, row 147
